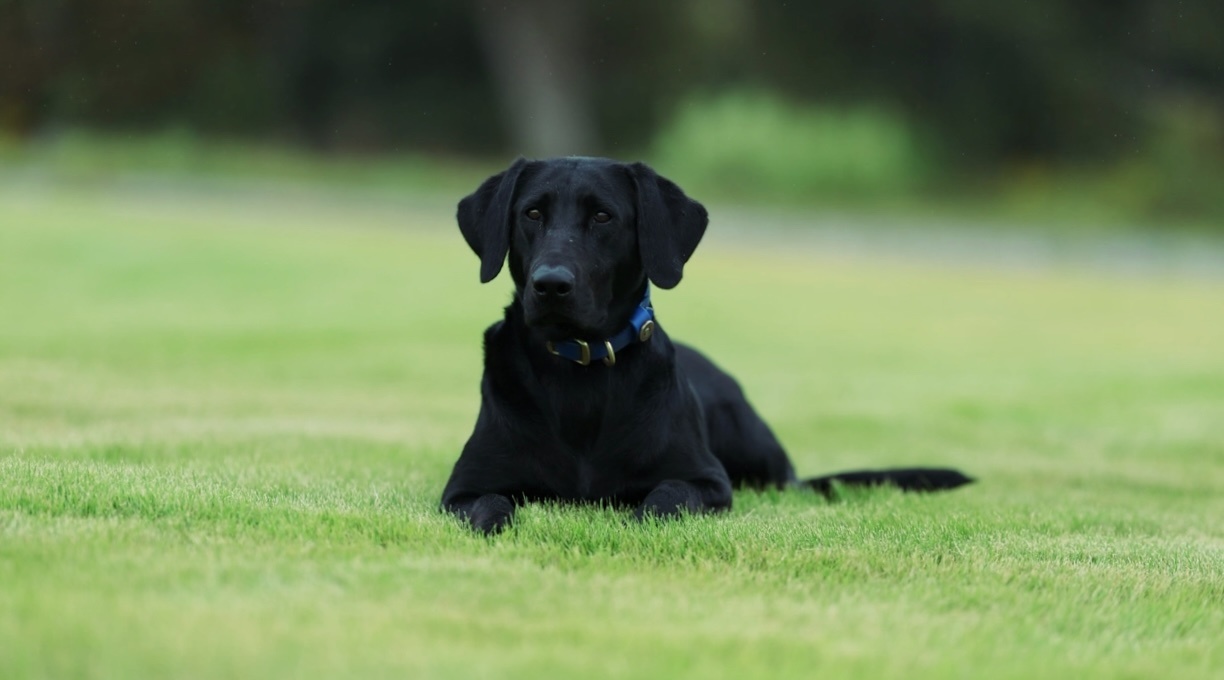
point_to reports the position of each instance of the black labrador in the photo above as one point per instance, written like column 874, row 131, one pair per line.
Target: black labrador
column 584, row 396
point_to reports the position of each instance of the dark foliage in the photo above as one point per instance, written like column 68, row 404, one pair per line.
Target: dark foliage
column 1033, row 80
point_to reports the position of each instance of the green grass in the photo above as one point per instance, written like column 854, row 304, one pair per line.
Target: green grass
column 225, row 421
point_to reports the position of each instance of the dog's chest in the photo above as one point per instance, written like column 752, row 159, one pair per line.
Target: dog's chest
column 585, row 478
column 589, row 443
column 584, row 436
column 579, row 429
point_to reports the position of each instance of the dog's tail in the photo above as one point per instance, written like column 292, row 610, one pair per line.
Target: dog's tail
column 906, row 479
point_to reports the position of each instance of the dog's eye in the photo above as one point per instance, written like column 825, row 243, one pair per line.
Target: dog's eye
column 534, row 214
column 601, row 217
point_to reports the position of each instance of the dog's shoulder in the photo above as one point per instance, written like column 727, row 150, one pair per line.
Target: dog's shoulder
column 504, row 336
column 500, row 346
column 493, row 332
column 508, row 380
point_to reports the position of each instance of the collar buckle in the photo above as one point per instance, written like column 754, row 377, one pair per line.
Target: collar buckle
column 583, row 360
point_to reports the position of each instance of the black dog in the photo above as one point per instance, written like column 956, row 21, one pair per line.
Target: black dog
column 585, row 398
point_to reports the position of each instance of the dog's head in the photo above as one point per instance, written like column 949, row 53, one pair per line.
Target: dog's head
column 583, row 235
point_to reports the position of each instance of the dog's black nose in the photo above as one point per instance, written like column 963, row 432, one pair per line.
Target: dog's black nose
column 548, row 281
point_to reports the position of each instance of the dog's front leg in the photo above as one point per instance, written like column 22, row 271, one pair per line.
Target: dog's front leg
column 674, row 496
column 488, row 514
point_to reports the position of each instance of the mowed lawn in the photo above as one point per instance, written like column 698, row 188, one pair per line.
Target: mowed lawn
column 226, row 417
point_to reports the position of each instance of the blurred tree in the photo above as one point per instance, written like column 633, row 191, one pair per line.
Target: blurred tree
column 535, row 53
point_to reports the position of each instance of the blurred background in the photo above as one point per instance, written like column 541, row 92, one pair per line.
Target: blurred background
column 1101, row 114
column 240, row 334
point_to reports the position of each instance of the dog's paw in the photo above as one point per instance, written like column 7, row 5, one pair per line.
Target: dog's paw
column 669, row 499
column 491, row 513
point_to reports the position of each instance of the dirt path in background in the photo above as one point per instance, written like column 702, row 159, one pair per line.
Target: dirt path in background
column 962, row 242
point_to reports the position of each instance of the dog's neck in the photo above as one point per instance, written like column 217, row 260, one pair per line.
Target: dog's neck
column 638, row 325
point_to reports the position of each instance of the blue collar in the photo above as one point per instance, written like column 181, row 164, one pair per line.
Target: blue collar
column 641, row 327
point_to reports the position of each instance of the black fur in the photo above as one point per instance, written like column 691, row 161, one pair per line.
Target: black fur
column 664, row 430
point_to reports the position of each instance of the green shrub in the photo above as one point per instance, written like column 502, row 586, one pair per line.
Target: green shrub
column 749, row 144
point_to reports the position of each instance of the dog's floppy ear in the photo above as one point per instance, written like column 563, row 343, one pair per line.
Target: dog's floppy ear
column 484, row 218
column 669, row 225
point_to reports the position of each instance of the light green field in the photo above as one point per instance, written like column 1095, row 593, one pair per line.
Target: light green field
column 226, row 418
